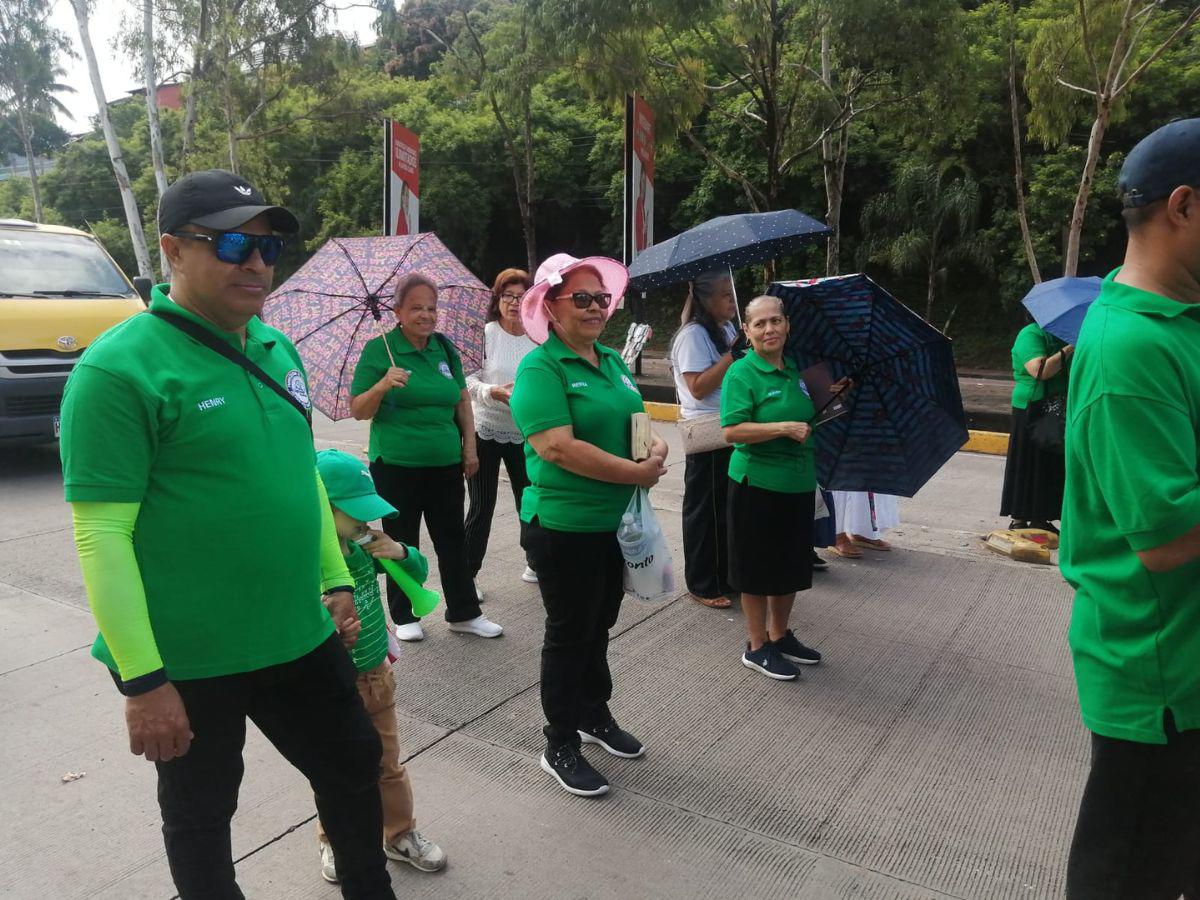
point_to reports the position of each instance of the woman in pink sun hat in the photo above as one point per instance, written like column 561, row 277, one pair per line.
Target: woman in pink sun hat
column 572, row 400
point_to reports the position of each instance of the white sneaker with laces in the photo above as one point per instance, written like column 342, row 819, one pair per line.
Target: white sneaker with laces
column 418, row 851
column 480, row 625
column 410, row 632
column 328, row 869
column 529, row 576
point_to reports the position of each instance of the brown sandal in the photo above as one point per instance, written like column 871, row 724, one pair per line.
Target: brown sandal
column 871, row 543
column 714, row 603
column 846, row 549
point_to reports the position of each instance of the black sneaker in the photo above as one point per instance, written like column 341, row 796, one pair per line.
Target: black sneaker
column 791, row 649
column 818, row 562
column 767, row 659
column 573, row 772
column 614, row 739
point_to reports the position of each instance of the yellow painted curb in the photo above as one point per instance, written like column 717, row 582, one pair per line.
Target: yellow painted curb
column 991, row 442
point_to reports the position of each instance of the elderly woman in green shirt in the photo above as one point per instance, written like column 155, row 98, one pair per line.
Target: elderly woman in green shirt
column 1034, row 476
column 767, row 416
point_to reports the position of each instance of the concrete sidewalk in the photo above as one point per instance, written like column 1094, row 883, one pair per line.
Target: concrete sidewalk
column 937, row 752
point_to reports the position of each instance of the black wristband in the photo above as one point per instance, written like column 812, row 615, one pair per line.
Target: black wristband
column 143, row 684
column 348, row 588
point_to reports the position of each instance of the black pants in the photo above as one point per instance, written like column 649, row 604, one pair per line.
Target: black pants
column 580, row 577
column 481, row 489
column 435, row 492
column 311, row 711
column 1138, row 834
column 705, row 489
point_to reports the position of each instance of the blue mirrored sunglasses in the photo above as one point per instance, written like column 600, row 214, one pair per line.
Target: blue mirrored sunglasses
column 235, row 247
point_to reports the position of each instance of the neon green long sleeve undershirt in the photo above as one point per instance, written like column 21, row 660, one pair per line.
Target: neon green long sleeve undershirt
column 117, row 596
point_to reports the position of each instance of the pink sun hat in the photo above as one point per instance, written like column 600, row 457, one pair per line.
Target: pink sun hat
column 554, row 271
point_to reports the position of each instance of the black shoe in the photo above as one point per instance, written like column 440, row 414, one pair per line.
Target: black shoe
column 614, row 739
column 573, row 772
column 1017, row 525
column 791, row 649
column 1045, row 526
column 767, row 659
column 818, row 562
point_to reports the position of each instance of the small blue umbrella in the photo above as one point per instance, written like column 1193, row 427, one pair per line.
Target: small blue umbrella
column 905, row 416
column 1059, row 305
column 723, row 242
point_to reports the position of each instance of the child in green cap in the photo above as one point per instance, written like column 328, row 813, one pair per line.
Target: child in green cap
column 368, row 554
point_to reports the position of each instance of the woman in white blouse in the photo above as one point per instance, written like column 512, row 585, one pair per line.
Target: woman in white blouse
column 700, row 356
column 497, row 436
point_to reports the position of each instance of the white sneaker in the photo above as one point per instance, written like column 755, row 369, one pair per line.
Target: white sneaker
column 480, row 625
column 328, row 869
column 478, row 592
column 418, row 851
column 410, row 632
column 529, row 575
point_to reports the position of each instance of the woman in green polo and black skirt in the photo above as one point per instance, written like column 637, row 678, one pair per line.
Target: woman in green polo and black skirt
column 767, row 416
column 573, row 400
column 422, row 445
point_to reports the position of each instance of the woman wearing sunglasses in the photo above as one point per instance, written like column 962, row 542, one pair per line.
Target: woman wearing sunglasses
column 497, row 438
column 422, row 445
column 573, row 400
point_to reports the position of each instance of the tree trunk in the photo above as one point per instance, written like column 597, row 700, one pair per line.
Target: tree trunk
column 156, row 150
column 1099, row 127
column 136, row 235
column 1019, row 164
column 930, row 280
column 27, row 142
column 528, row 222
column 190, row 111
column 834, row 149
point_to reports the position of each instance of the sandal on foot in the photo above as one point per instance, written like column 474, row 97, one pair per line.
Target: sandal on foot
column 713, row 603
column 871, row 543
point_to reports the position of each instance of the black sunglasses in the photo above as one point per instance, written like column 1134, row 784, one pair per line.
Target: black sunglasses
column 235, row 247
column 582, row 299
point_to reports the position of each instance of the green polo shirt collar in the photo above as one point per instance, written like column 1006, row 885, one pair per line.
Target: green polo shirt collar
column 558, row 349
column 1146, row 303
column 160, row 301
column 768, row 367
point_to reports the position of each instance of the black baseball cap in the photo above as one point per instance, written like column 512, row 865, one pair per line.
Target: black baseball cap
column 220, row 200
column 1162, row 161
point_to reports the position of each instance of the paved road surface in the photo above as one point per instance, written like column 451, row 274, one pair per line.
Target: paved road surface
column 936, row 753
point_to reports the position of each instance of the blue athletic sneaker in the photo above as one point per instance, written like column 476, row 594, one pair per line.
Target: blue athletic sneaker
column 768, row 660
column 794, row 651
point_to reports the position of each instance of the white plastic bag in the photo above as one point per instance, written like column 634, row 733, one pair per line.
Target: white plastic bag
column 822, row 508
column 648, row 570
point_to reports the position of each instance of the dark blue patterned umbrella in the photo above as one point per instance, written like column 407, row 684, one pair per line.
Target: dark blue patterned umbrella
column 723, row 242
column 905, row 417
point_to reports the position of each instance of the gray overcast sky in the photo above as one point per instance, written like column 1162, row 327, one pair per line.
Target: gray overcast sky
column 118, row 72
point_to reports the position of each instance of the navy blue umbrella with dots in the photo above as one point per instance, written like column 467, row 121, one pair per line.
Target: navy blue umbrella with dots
column 904, row 417
column 726, row 242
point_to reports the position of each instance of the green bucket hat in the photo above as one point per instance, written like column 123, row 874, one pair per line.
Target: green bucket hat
column 350, row 487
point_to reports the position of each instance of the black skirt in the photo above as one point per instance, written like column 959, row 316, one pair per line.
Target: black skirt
column 1033, row 477
column 770, row 540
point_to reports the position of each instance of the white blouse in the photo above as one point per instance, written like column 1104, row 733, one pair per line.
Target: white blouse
column 502, row 353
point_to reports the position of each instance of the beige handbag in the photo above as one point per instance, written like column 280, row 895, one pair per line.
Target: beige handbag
column 702, row 434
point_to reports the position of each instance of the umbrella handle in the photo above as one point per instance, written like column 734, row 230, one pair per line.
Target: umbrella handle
column 373, row 308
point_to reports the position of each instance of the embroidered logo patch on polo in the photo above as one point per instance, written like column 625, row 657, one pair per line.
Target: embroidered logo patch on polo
column 297, row 388
column 628, row 382
column 579, row 384
column 774, row 393
column 444, row 368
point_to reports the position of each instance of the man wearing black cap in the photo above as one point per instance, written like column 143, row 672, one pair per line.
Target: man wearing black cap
column 1131, row 539
column 206, row 541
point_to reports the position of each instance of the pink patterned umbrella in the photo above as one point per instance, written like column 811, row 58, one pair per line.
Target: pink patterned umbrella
column 341, row 298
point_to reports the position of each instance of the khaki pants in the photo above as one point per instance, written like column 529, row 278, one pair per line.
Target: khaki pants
column 377, row 688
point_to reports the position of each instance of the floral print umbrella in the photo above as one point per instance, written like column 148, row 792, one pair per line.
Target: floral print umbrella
column 342, row 297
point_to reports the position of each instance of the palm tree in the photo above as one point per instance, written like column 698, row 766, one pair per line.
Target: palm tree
column 926, row 225
column 29, row 73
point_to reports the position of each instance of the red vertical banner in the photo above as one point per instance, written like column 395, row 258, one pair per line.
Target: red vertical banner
column 401, row 196
column 639, row 177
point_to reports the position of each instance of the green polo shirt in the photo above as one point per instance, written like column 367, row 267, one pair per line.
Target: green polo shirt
column 1133, row 484
column 372, row 645
column 755, row 391
column 227, row 537
column 554, row 387
column 415, row 424
column 1033, row 343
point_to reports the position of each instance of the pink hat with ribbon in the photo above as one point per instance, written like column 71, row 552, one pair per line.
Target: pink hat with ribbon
column 535, row 313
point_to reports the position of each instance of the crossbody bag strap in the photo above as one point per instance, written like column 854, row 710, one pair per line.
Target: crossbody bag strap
column 214, row 343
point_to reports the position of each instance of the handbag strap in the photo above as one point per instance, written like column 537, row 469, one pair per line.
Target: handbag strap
column 227, row 350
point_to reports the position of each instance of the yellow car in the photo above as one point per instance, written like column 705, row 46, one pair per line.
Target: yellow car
column 59, row 289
